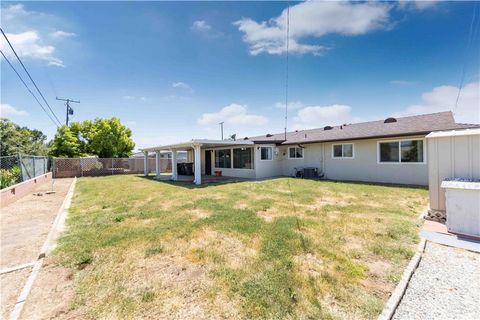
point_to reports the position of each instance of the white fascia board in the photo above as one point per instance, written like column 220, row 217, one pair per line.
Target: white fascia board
column 201, row 142
column 453, row 133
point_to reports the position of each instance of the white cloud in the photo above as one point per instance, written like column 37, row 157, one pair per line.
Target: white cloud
column 62, row 34
column 12, row 11
column 319, row 116
column 28, row 44
column 443, row 98
column 201, row 25
column 416, row 5
column 182, row 85
column 403, row 83
column 29, row 33
column 134, row 98
column 292, row 105
column 312, row 19
column 234, row 114
column 8, row 110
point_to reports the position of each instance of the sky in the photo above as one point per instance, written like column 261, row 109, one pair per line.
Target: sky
column 171, row 71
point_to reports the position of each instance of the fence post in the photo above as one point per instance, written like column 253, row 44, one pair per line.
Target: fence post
column 112, row 166
column 81, row 166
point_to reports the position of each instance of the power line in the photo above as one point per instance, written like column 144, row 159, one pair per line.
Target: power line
column 286, row 74
column 24, row 68
column 35, row 97
column 471, row 36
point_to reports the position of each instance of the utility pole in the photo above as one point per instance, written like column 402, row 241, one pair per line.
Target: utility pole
column 221, row 125
column 69, row 109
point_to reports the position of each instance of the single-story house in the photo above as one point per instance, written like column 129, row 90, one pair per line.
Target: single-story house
column 392, row 150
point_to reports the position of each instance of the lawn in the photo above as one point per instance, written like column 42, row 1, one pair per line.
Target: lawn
column 275, row 249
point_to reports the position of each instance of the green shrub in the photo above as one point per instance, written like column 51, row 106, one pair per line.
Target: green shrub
column 9, row 177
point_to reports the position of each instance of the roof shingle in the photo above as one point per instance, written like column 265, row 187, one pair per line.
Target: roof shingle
column 413, row 125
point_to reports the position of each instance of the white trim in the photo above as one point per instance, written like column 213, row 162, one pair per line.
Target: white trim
column 271, row 148
column 400, row 152
column 296, row 158
column 199, row 142
column 342, row 157
column 450, row 133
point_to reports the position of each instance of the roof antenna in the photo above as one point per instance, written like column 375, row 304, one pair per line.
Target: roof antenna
column 286, row 74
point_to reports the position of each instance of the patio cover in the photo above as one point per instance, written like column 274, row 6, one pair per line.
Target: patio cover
column 196, row 145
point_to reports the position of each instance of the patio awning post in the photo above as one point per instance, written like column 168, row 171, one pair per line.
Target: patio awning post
column 174, row 165
column 145, row 163
column 157, row 164
column 198, row 165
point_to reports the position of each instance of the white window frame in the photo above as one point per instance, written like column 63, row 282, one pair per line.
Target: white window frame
column 303, row 152
column 400, row 152
column 342, row 144
column 271, row 148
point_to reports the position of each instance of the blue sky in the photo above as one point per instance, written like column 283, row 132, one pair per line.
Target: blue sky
column 171, row 71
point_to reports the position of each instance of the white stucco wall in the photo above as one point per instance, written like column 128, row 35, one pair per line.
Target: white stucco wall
column 365, row 166
column 268, row 168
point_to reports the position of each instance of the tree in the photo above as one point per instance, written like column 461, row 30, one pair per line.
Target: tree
column 108, row 138
column 105, row 138
column 65, row 144
column 15, row 139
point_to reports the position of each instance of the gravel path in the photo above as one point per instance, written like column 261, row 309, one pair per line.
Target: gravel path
column 446, row 285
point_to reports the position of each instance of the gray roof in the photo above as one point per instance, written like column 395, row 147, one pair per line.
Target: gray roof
column 405, row 126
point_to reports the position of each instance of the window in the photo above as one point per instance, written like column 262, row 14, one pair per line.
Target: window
column 344, row 150
column 242, row 158
column 404, row 151
column 295, row 153
column 266, row 153
column 222, row 158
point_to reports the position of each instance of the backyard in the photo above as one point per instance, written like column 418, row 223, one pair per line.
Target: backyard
column 280, row 248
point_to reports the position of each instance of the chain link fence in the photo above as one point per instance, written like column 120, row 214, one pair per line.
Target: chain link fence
column 15, row 169
column 84, row 167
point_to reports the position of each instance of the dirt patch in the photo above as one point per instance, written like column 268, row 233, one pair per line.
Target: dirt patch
column 240, row 205
column 179, row 289
column 232, row 250
column 26, row 222
column 268, row 214
column 376, row 282
column 52, row 294
column 11, row 284
column 199, row 213
column 334, row 308
column 309, row 264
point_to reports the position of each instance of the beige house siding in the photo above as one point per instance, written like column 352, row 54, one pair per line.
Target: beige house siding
column 455, row 156
column 268, row 168
column 365, row 166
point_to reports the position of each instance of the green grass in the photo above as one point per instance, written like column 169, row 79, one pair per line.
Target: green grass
column 281, row 248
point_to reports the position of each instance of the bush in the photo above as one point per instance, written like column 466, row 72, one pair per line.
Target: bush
column 9, row 177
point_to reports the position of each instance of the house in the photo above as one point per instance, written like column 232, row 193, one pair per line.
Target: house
column 392, row 150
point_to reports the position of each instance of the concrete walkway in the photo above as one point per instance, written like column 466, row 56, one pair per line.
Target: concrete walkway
column 25, row 225
column 446, row 285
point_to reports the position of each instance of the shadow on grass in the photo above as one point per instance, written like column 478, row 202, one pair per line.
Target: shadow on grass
column 191, row 185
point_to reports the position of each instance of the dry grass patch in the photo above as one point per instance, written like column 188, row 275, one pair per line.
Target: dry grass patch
column 238, row 251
